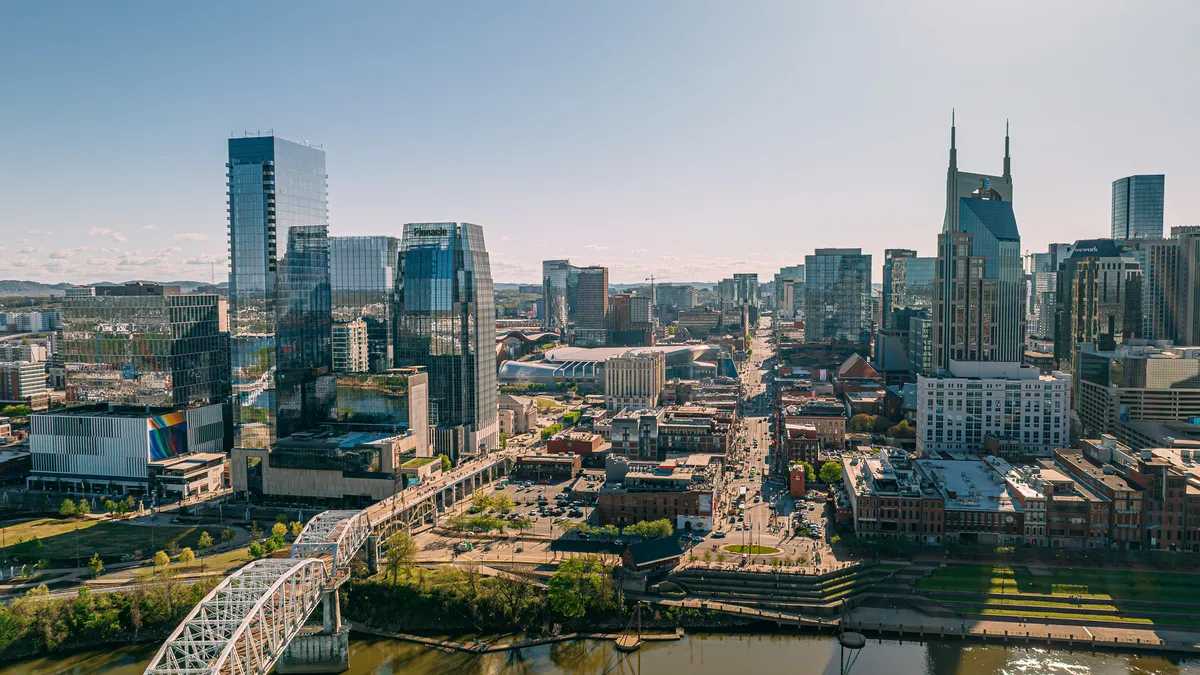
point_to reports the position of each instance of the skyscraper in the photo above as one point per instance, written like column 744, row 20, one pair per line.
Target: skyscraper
column 1159, row 263
column 1099, row 299
column 559, row 294
column 789, row 292
column 837, row 296
column 592, row 321
column 745, row 289
column 1188, row 294
column 1137, row 207
column 446, row 322
column 907, row 284
column 979, row 312
column 280, row 312
column 362, row 281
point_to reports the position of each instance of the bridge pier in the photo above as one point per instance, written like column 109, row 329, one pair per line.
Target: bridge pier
column 372, row 547
column 323, row 652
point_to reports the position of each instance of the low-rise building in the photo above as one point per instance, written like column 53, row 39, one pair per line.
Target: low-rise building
column 682, row 490
column 583, row 444
column 524, row 413
column 1123, row 499
column 539, row 467
column 978, row 505
column 189, row 475
column 889, row 497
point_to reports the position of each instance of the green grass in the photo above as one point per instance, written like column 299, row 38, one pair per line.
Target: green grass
column 1059, row 615
column 111, row 539
column 420, row 461
column 751, row 550
column 1088, row 583
column 217, row 562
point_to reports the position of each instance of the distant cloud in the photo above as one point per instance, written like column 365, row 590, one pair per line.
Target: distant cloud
column 504, row 238
column 167, row 250
column 596, row 247
column 106, row 232
column 149, row 227
column 191, row 236
column 667, row 257
column 30, row 249
column 60, row 255
column 205, row 259
column 44, row 233
column 640, row 250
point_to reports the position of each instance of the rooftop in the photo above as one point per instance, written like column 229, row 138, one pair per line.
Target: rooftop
column 339, row 439
column 970, row 485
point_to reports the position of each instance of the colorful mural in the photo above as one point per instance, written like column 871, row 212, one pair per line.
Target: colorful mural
column 168, row 435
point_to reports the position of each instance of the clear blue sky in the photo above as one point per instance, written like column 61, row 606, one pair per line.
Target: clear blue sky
column 690, row 139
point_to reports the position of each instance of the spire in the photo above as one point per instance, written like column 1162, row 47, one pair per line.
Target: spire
column 1007, row 159
column 953, row 149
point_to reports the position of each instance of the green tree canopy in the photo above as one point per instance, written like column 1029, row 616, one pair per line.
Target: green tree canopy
column 831, row 472
column 95, row 565
column 279, row 530
column 83, row 507
column 446, row 463
column 580, row 585
column 551, row 430
column 205, row 541
column 186, row 557
column 161, row 560
column 401, row 554
column 67, row 508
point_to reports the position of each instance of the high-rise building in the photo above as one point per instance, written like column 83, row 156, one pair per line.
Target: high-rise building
column 1116, row 389
column 1188, row 294
column 745, row 289
column 1137, row 207
column 362, row 283
column 1159, row 263
column 23, row 383
column 908, row 283
column 634, row 379
column 837, row 296
column 789, row 292
column 979, row 312
column 351, row 347
column 559, row 294
column 678, row 297
column 1098, row 300
column 279, row 300
column 1043, row 285
column 592, row 321
column 144, row 345
column 446, row 322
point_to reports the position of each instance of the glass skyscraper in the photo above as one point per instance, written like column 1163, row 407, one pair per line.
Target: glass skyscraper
column 908, row 283
column 446, row 321
column 559, row 294
column 837, row 296
column 1137, row 207
column 362, row 274
column 279, row 300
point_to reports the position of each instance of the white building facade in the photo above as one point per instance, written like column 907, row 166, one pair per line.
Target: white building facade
column 956, row 410
column 634, row 379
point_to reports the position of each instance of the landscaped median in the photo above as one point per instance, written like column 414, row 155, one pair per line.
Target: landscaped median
column 746, row 549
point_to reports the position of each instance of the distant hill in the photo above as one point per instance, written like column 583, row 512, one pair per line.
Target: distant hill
column 36, row 289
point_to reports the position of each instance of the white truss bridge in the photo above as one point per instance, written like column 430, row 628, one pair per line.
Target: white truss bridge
column 244, row 625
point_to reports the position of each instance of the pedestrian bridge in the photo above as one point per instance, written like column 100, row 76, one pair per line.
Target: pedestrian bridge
column 245, row 625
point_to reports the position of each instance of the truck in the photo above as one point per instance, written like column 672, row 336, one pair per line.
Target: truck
column 742, row 492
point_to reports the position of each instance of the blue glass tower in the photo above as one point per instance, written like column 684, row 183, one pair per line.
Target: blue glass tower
column 446, row 321
column 1137, row 207
column 279, row 300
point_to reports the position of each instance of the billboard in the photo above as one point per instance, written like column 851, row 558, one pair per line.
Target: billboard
column 168, row 435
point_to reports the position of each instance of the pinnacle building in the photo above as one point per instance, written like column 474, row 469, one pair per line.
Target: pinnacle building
column 979, row 312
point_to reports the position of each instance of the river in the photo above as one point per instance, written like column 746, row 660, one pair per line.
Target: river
column 697, row 654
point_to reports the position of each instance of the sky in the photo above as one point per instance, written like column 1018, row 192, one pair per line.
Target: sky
column 686, row 139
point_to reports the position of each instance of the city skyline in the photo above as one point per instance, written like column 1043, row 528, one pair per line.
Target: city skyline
column 549, row 171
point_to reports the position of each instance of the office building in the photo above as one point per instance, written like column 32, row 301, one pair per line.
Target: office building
column 1188, row 293
column 445, row 321
column 23, row 383
column 279, row 299
column 1042, row 283
column 1098, row 300
column 592, row 321
column 559, row 294
column 107, row 449
column 1158, row 260
column 1131, row 383
column 837, row 296
column 789, row 292
column 680, row 490
column 145, row 345
column 908, row 283
column 958, row 408
column 634, row 379
column 920, row 343
column 362, row 283
column 1137, row 207
column 632, row 325
column 745, row 289
column 678, row 297
column 351, row 347
column 889, row 497
column 979, row 312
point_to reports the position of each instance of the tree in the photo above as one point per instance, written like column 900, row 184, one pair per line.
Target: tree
column 186, row 557
column 95, row 565
column 256, row 550
column 401, row 552
column 126, row 505
column 256, row 530
column 279, row 531
column 83, row 508
column 446, row 464
column 880, row 424
column 862, row 422
column 902, row 430
column 228, row 535
column 16, row 411
column 296, row 528
column 809, row 472
column 67, row 508
column 503, row 441
column 205, row 541
column 580, row 584
column 572, row 417
column 480, row 501
column 551, row 430
column 110, row 506
column 503, row 503
column 161, row 560
column 831, row 472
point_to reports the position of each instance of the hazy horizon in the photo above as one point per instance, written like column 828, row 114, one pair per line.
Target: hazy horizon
column 689, row 140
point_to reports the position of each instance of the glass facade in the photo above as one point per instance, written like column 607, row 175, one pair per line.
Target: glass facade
column 1137, row 207
column 993, row 227
column 837, row 296
column 446, row 321
column 559, row 297
column 151, row 349
column 280, row 307
column 908, row 283
column 362, row 274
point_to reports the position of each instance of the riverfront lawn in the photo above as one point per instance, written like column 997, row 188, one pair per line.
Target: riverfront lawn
column 56, row 539
column 752, row 550
column 1088, row 583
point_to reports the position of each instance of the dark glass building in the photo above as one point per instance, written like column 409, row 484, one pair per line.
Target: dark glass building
column 362, row 275
column 908, row 283
column 560, row 296
column 279, row 299
column 837, row 296
column 1137, row 207
column 446, row 321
